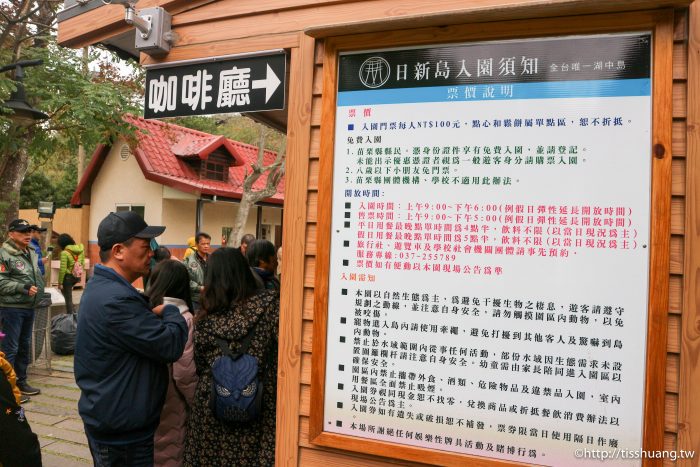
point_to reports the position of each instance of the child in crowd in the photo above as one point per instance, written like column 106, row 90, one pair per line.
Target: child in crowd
column 170, row 284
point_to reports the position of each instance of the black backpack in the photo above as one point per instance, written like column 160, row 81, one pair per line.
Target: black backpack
column 236, row 387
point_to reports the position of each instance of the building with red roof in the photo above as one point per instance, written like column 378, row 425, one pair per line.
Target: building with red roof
column 184, row 179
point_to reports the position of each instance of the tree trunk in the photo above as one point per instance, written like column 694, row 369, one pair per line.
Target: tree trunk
column 274, row 171
column 241, row 219
column 11, row 179
column 81, row 162
column 81, row 148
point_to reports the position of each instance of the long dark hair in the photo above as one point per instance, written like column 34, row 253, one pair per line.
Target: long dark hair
column 169, row 279
column 228, row 280
column 65, row 240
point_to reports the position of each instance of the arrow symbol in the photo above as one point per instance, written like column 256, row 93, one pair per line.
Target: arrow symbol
column 270, row 83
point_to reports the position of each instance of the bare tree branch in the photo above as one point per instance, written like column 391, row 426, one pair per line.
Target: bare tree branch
column 274, row 172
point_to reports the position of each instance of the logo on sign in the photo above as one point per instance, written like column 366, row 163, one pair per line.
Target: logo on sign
column 374, row 72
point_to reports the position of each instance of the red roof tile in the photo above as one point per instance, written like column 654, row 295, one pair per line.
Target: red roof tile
column 161, row 153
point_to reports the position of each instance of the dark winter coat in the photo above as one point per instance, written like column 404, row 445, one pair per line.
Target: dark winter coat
column 121, row 354
column 19, row 270
column 210, row 442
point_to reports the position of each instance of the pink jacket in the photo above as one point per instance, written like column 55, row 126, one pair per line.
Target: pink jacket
column 170, row 435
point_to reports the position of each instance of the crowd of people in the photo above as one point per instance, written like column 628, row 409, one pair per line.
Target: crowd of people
column 143, row 360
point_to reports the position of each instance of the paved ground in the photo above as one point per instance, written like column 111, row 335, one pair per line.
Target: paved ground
column 53, row 415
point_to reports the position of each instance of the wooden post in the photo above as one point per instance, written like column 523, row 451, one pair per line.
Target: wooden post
column 688, row 405
column 294, row 246
column 47, row 267
column 199, row 216
column 258, row 223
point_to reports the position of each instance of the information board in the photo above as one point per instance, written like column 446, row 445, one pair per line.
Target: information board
column 489, row 261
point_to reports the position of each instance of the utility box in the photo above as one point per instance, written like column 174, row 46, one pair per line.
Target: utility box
column 157, row 42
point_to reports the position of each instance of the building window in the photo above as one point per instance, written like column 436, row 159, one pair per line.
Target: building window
column 138, row 209
column 214, row 171
column 226, row 235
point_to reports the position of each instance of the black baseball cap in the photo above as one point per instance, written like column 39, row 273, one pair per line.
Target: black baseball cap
column 37, row 228
column 19, row 225
column 119, row 227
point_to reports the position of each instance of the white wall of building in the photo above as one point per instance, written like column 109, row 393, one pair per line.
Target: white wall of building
column 121, row 182
column 179, row 220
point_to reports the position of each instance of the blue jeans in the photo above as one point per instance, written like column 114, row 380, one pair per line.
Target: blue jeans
column 17, row 325
column 127, row 455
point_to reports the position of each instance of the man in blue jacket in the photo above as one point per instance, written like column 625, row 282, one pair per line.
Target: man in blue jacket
column 35, row 243
column 123, row 347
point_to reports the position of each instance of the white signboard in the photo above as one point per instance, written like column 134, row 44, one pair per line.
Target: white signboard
column 489, row 252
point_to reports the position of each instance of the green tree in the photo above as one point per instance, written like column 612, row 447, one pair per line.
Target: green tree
column 35, row 187
column 82, row 108
column 49, row 185
column 203, row 123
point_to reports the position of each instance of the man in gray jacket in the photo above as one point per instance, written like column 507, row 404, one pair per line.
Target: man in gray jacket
column 21, row 285
column 196, row 264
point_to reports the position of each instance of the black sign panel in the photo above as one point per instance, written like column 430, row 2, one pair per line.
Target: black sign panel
column 248, row 84
column 622, row 57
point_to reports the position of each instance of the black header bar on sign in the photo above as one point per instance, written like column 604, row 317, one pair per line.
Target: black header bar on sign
column 562, row 59
column 245, row 84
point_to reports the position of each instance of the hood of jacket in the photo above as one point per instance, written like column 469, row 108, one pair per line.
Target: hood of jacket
column 76, row 250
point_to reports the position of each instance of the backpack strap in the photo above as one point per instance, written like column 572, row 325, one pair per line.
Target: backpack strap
column 223, row 345
column 242, row 347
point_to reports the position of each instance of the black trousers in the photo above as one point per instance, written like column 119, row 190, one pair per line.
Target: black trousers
column 69, row 282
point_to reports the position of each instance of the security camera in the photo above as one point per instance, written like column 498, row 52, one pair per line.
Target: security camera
column 126, row 3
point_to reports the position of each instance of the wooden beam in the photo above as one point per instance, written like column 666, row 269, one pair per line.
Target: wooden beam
column 238, row 8
column 383, row 15
column 483, row 11
column 659, row 261
column 688, row 405
column 227, row 47
column 234, row 19
column 108, row 21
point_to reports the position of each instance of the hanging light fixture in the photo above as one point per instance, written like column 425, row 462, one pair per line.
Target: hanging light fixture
column 23, row 114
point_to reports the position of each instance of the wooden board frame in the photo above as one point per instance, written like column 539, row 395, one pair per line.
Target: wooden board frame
column 688, row 405
column 294, row 246
column 660, row 22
